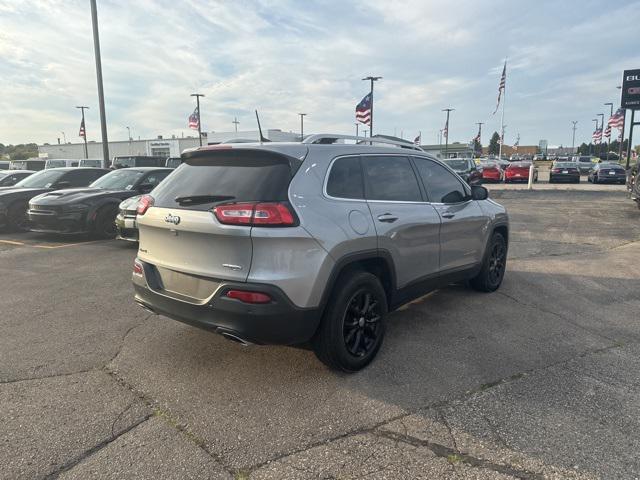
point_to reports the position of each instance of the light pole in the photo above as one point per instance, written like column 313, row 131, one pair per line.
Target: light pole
column 446, row 131
column 592, row 143
column 371, row 79
column 356, row 129
column 302, row 115
column 573, row 140
column 198, row 95
column 235, row 123
column 365, row 133
column 479, row 135
column 84, row 130
column 64, row 137
column 609, row 137
column 103, row 115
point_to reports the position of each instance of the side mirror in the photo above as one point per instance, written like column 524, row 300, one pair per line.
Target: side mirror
column 63, row 184
column 145, row 187
column 478, row 192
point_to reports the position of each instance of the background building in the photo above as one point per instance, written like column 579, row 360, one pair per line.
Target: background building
column 162, row 147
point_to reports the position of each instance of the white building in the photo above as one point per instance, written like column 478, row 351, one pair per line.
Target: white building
column 162, row 147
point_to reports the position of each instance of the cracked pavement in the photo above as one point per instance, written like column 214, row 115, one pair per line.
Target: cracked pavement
column 539, row 380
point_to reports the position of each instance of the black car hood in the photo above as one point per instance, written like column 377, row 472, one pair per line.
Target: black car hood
column 12, row 193
column 80, row 195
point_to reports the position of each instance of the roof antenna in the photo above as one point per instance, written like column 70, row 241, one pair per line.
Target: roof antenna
column 262, row 139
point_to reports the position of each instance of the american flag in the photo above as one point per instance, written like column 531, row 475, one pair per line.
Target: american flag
column 416, row 141
column 617, row 119
column 597, row 135
column 503, row 82
column 363, row 110
column 194, row 120
column 82, row 132
column 445, row 131
column 607, row 132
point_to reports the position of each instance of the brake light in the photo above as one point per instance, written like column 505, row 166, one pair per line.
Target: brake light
column 145, row 202
column 248, row 297
column 556, row 170
column 137, row 268
column 272, row 214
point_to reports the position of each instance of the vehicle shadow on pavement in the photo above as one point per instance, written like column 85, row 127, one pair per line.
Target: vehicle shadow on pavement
column 252, row 404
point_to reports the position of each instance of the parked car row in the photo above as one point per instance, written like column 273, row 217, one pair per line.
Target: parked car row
column 37, row 164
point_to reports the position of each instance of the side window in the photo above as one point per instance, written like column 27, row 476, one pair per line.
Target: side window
column 82, row 177
column 155, row 178
column 345, row 179
column 441, row 185
column 390, row 178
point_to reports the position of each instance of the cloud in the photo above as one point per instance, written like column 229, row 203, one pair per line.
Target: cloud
column 282, row 57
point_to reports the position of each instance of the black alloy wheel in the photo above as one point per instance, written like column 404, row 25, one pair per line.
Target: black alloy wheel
column 361, row 320
column 105, row 222
column 493, row 267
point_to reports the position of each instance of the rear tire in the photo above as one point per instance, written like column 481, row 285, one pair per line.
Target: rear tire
column 493, row 266
column 353, row 325
column 104, row 225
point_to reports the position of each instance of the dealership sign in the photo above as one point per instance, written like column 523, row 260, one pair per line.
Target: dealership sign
column 631, row 89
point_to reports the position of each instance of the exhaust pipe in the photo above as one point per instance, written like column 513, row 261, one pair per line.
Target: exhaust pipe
column 235, row 338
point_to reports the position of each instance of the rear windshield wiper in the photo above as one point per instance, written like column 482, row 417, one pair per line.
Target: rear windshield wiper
column 199, row 199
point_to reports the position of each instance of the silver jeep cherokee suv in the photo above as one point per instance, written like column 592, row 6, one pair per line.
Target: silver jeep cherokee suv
column 285, row 243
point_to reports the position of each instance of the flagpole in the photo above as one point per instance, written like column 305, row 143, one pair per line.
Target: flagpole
column 504, row 100
column 198, row 95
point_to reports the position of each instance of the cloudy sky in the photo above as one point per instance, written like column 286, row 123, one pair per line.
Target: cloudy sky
column 565, row 60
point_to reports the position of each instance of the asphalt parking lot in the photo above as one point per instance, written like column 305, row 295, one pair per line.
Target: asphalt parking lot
column 538, row 380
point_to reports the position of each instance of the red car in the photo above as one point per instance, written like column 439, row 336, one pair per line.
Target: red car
column 519, row 172
column 491, row 171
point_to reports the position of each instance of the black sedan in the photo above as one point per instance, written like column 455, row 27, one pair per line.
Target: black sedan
column 608, row 173
column 8, row 178
column 564, row 172
column 466, row 168
column 93, row 209
column 14, row 200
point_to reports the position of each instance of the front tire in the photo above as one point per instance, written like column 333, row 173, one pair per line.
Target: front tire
column 493, row 266
column 353, row 325
column 105, row 222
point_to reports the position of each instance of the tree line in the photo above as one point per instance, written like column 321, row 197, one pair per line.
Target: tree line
column 19, row 152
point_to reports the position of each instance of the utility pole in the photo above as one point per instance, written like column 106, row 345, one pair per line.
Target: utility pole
column 601, row 132
column 198, row 95
column 446, row 131
column 103, row 115
column 84, row 126
column 573, row 141
column 371, row 79
column 302, row 115
column 235, row 123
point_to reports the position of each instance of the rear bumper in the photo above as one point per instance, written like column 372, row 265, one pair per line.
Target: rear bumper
column 558, row 177
column 612, row 179
column 278, row 322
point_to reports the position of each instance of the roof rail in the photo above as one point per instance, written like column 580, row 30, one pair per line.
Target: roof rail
column 330, row 138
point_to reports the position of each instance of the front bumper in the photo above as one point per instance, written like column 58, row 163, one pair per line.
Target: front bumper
column 49, row 221
column 127, row 228
column 278, row 322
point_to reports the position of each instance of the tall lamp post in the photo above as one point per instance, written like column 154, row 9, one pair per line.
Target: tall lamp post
column 302, row 115
column 356, row 129
column 446, row 131
column 235, row 123
column 573, row 138
column 84, row 133
column 371, row 79
column 609, row 137
column 198, row 95
column 103, row 115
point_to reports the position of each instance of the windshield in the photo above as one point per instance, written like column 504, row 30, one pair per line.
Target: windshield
column 566, row 165
column 124, row 162
column 90, row 163
column 118, row 180
column 457, row 164
column 41, row 179
column 585, row 159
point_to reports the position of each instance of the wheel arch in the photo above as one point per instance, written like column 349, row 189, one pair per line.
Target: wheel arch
column 93, row 211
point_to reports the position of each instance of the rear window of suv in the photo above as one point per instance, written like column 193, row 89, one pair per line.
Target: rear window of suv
column 221, row 177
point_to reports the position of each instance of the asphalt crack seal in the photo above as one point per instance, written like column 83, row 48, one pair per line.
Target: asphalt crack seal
column 448, row 453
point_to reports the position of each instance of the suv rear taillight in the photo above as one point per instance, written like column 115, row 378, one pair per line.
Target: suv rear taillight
column 138, row 269
column 248, row 297
column 261, row 214
column 145, row 202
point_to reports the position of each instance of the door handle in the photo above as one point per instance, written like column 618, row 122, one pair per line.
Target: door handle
column 448, row 215
column 387, row 218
